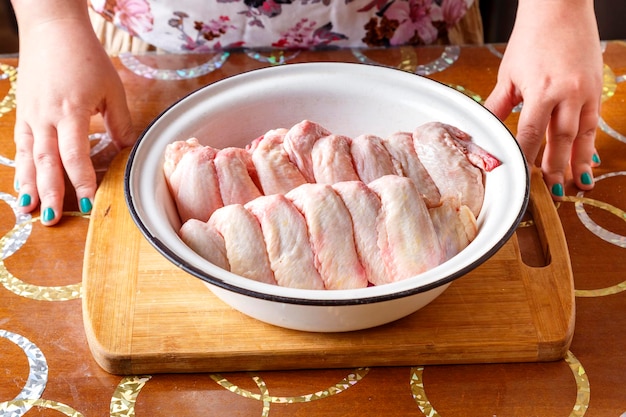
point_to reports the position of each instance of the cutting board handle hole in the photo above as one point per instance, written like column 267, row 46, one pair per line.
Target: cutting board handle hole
column 533, row 251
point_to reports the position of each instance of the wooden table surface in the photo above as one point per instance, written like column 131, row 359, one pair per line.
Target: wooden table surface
column 47, row 367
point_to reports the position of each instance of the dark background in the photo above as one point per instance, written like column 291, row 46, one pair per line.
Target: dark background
column 8, row 28
column 498, row 17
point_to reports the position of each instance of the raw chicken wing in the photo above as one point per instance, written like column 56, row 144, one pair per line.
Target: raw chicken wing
column 455, row 225
column 277, row 174
column 331, row 235
column 365, row 211
column 287, row 242
column 400, row 147
column 408, row 241
column 236, row 175
column 205, row 241
column 371, row 159
column 298, row 144
column 174, row 151
column 332, row 160
column 243, row 239
column 477, row 155
column 194, row 184
column 437, row 146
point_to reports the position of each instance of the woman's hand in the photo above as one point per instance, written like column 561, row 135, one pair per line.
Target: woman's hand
column 553, row 63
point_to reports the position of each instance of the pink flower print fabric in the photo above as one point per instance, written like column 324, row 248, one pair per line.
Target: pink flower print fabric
column 210, row 25
column 131, row 15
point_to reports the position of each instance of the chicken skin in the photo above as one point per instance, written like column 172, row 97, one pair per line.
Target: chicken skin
column 330, row 233
column 304, row 208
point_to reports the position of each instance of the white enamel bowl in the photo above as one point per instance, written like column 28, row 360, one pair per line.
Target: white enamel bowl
column 348, row 99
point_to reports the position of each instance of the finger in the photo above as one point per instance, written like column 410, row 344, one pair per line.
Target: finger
column 118, row 121
column 50, row 182
column 25, row 173
column 531, row 126
column 584, row 155
column 501, row 101
column 562, row 130
column 595, row 158
column 74, row 151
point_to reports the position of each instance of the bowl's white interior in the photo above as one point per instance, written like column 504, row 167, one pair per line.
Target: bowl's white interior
column 348, row 99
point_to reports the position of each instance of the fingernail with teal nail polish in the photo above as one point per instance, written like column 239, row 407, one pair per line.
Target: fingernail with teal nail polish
column 85, row 205
column 24, row 200
column 16, row 185
column 48, row 215
column 557, row 190
column 585, row 178
column 595, row 158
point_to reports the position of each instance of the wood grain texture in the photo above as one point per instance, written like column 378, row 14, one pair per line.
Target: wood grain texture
column 142, row 314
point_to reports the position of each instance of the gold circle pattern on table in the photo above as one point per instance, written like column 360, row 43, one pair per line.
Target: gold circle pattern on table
column 123, row 401
column 609, row 83
column 582, row 389
column 35, row 292
column 125, row 395
column 51, row 405
column 408, row 59
column 36, row 381
column 8, row 72
column 474, row 96
column 610, row 86
column 347, row 382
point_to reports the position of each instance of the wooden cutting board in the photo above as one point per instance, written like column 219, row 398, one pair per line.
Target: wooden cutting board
column 142, row 314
